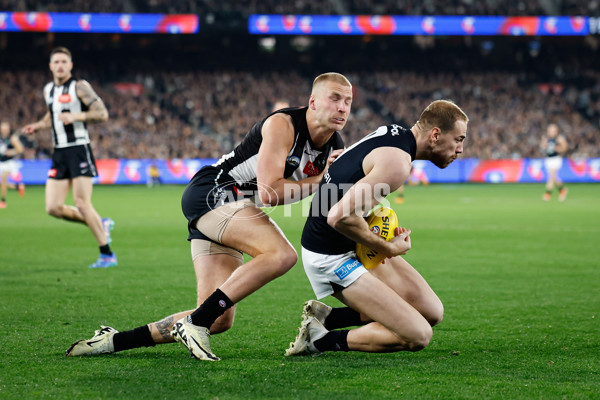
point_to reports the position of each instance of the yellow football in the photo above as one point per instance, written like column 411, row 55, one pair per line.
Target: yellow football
column 383, row 221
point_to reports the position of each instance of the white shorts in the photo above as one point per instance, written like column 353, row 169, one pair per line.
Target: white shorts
column 9, row 166
column 327, row 273
column 553, row 163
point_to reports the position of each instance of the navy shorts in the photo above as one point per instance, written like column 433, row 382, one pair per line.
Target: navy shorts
column 207, row 190
column 71, row 162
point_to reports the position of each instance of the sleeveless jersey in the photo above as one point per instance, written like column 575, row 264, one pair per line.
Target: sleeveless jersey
column 551, row 147
column 5, row 144
column 346, row 170
column 303, row 160
column 61, row 99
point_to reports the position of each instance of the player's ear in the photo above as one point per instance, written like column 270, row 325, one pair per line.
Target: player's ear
column 434, row 135
column 311, row 102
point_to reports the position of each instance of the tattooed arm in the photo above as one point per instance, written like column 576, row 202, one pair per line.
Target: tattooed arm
column 97, row 110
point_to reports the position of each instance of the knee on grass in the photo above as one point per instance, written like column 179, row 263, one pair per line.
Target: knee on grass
column 418, row 339
column 434, row 314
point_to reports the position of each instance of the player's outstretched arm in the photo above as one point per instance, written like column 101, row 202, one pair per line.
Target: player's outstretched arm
column 43, row 123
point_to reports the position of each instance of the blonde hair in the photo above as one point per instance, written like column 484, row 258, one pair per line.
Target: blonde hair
column 442, row 114
column 331, row 76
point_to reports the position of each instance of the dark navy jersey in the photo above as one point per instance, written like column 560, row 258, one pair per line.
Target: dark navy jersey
column 347, row 169
column 5, row 144
column 551, row 147
column 303, row 160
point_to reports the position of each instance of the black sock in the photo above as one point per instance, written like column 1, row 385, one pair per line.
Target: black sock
column 342, row 317
column 212, row 308
column 3, row 199
column 105, row 250
column 138, row 337
column 333, row 341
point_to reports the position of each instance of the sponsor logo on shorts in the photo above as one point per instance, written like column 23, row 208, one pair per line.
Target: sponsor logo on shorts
column 52, row 173
column 346, row 268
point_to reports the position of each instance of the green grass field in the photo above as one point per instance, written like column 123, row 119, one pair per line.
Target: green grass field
column 519, row 278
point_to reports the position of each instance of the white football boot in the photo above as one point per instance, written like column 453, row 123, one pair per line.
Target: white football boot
column 316, row 309
column 310, row 331
column 100, row 343
column 195, row 338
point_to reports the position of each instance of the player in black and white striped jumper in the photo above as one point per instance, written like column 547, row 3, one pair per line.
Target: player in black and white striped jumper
column 281, row 160
column 72, row 104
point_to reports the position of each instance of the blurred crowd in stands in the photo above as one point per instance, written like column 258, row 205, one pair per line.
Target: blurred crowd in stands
column 205, row 114
column 243, row 8
column 162, row 105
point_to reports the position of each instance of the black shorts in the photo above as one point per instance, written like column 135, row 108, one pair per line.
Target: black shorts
column 207, row 190
column 71, row 162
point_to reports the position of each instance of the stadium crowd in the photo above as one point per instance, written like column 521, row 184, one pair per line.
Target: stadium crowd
column 243, row 8
column 508, row 117
column 204, row 114
column 161, row 107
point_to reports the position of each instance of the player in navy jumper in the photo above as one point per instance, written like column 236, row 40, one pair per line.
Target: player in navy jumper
column 392, row 303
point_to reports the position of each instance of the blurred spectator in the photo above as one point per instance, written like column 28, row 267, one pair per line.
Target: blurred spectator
column 153, row 176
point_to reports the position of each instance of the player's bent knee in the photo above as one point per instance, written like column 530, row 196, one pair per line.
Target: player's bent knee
column 285, row 259
column 82, row 205
column 418, row 338
column 436, row 314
